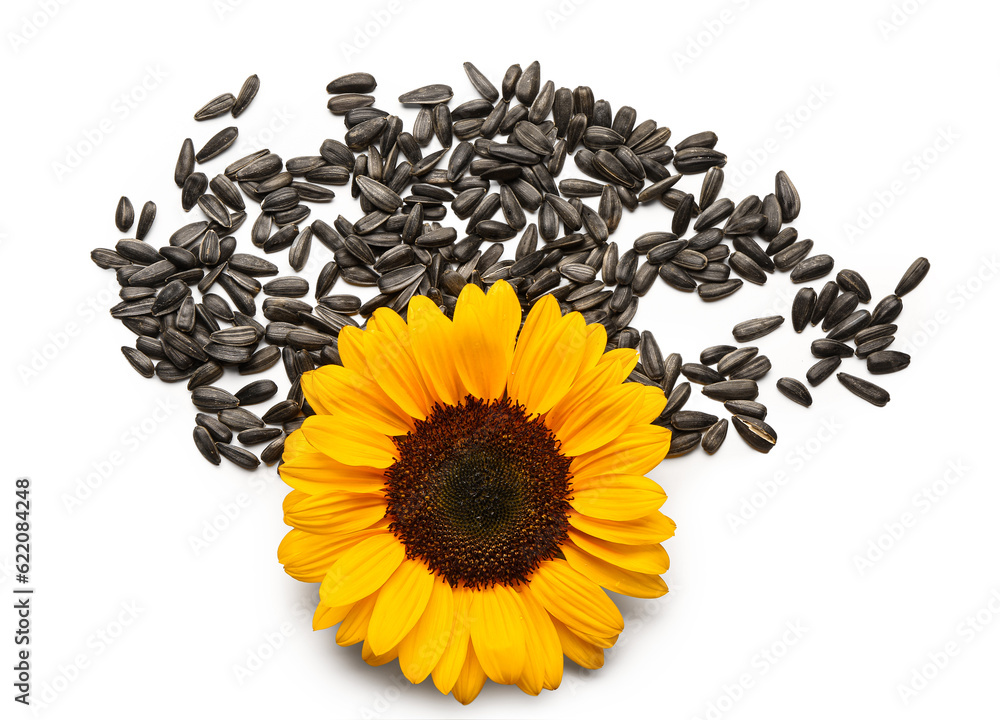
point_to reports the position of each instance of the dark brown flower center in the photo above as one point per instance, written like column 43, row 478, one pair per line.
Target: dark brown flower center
column 479, row 493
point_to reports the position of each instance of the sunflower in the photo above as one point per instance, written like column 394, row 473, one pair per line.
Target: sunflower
column 467, row 487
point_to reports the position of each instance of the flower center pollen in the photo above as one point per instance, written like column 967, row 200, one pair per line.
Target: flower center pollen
column 479, row 493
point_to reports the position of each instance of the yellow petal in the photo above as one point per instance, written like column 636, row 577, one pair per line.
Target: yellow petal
column 498, row 632
column 616, row 497
column 318, row 474
column 470, row 680
column 582, row 653
column 400, row 604
column 333, row 389
column 649, row 559
column 351, row 444
column 423, row 647
column 652, row 528
column 602, row 420
column 295, row 445
column 445, row 673
column 597, row 341
column 543, row 665
column 541, row 319
column 613, row 578
column 334, row 512
column 588, row 385
column 392, row 364
column 433, row 339
column 362, row 570
column 549, row 365
column 574, row 600
column 351, row 347
column 371, row 657
column 635, row 452
column 326, row 616
column 308, row 556
column 485, row 327
column 625, row 359
column 355, row 625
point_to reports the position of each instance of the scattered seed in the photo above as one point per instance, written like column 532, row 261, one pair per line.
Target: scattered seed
column 759, row 327
column 795, row 391
column 912, row 277
column 714, row 436
column 757, row 433
column 693, row 420
column 206, row 445
column 731, row 390
column 803, row 307
column 681, row 443
column 868, row 391
column 746, row 407
column 822, row 370
column 238, row 456
column 247, row 93
column 887, row 361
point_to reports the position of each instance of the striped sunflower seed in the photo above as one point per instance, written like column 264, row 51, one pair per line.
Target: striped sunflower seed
column 912, row 277
column 887, row 361
column 693, row 420
column 731, row 390
column 822, row 370
column 256, row 436
column 714, row 436
column 427, row 95
column 212, row 399
column 851, row 281
column 824, row 348
column 139, row 361
column 681, row 443
column 206, row 445
column 756, row 328
column 802, row 308
column 824, row 301
column 755, row 432
column 867, row 391
column 718, row 290
column 261, row 360
column 215, row 107
column 788, row 197
column 746, row 407
column 217, row 144
column 873, row 346
column 795, row 391
column 238, row 456
column 255, row 392
column 850, row 326
column 887, row 310
column 246, row 95
column 124, row 214
column 676, row 399
column 239, row 419
column 753, row 370
column 185, row 163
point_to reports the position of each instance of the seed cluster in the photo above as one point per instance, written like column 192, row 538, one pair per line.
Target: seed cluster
column 480, row 493
column 498, row 159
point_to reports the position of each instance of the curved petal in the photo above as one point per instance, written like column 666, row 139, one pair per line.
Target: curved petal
column 624, row 358
column 636, row 451
column 334, row 512
column 355, row 625
column 333, row 389
column 652, row 528
column 400, row 604
column 649, row 559
column 307, row 556
column 602, row 420
column 349, row 444
column 485, row 328
column 318, row 474
column 326, row 616
column 613, row 578
column 616, row 497
column 362, row 570
column 596, row 343
column 470, row 679
column 598, row 379
column 296, row 444
column 498, row 632
column 351, row 348
column 541, row 319
column 423, row 647
column 373, row 658
column 549, row 364
column 446, row 672
column 543, row 665
column 574, row 600
column 392, row 364
column 576, row 649
column 432, row 336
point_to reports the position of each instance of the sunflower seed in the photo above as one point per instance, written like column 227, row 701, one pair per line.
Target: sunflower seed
column 676, row 399
column 213, row 399
column 694, row 159
column 479, row 81
column 795, row 391
column 652, row 358
column 215, row 107
column 681, row 443
column 217, row 144
column 678, row 278
column 746, row 268
column 345, row 102
column 822, row 370
column 788, row 197
column 255, row 392
column 746, row 407
column 757, row 433
column 272, row 453
column 887, row 361
column 252, row 265
column 427, row 95
column 239, row 419
column 255, row 436
column 755, row 369
column 718, row 290
column 356, row 82
column 865, row 349
column 724, row 390
column 868, row 391
column 185, row 163
column 887, row 310
column 712, row 355
column 139, row 361
column 528, row 83
column 803, row 307
column 281, row 412
column 228, row 354
column 792, row 255
column 782, row 240
column 851, row 281
column 194, row 188
column 874, row 331
column 693, row 420
column 217, row 431
column 714, row 436
column 170, row 298
column 850, row 326
column 206, row 374
column 238, row 456
column 759, row 327
column 735, row 359
column 701, row 374
column 124, row 214
column 812, row 268
column 261, row 360
column 206, row 445
column 247, row 93
column 824, row 302
column 912, row 277
column 824, row 348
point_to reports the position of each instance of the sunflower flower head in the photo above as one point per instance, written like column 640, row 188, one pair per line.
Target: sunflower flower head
column 468, row 488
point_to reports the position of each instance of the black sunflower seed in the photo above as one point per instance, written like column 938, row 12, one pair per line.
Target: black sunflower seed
column 802, row 308
column 823, row 303
column 255, row 392
column 851, row 281
column 735, row 359
column 671, row 371
column 206, row 445
column 217, row 144
column 795, row 391
column 702, row 374
column 239, row 419
column 718, row 290
column 246, row 95
column 206, row 374
column 746, row 268
column 124, row 214
column 912, row 277
column 213, row 399
column 238, row 456
column 693, row 420
column 427, row 95
column 185, row 163
column 757, row 433
column 255, row 436
column 731, row 390
column 824, row 348
column 282, row 411
column 840, row 308
column 139, row 361
column 887, row 361
column 867, row 391
column 215, row 107
column 822, row 370
column 755, row 369
column 681, row 443
column 850, row 326
column 887, row 310
column 759, row 327
column 812, row 268
column 873, row 346
column 676, row 399
column 746, row 407
column 216, row 429
column 712, row 355
column 792, row 255
column 714, row 436
column 788, row 197
column 874, row 331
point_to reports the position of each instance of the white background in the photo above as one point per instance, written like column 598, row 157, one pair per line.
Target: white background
column 883, row 113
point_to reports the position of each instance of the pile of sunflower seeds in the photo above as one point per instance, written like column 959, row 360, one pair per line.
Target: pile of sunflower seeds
column 400, row 247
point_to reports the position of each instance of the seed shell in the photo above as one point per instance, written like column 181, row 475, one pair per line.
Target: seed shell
column 795, row 391
column 714, row 436
column 867, row 391
column 822, row 370
column 887, row 361
column 912, row 277
column 803, row 307
column 759, row 327
column 757, row 433
column 238, row 456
